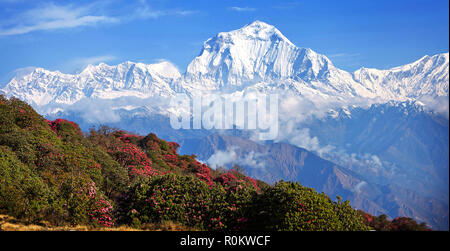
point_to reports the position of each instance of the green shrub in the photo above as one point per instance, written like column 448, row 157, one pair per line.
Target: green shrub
column 49, row 170
column 288, row 206
column 23, row 194
column 115, row 176
column 382, row 223
column 183, row 199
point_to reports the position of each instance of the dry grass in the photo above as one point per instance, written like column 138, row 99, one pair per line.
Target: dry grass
column 8, row 223
column 167, row 226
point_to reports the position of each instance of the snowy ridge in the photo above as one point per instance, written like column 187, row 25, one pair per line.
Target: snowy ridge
column 41, row 87
column 259, row 52
column 374, row 122
column 255, row 57
column 427, row 76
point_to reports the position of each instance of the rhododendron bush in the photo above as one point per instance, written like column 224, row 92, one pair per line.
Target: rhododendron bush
column 187, row 200
column 102, row 209
column 50, row 170
column 382, row 223
column 292, row 207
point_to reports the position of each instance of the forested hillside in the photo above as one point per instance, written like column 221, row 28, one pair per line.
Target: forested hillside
column 51, row 171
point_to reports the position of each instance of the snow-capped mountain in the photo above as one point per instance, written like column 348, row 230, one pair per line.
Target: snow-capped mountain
column 427, row 76
column 374, row 121
column 257, row 56
column 42, row 87
column 275, row 161
column 259, row 52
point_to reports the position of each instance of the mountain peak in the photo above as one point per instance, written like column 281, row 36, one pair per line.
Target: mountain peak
column 257, row 30
column 255, row 52
column 256, row 55
column 258, row 26
column 258, row 23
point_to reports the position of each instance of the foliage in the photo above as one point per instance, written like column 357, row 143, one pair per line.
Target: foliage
column 22, row 193
column 382, row 223
column 187, row 200
column 288, row 206
column 51, row 171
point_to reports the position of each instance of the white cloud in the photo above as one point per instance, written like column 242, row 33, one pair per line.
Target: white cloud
column 229, row 157
column 242, row 9
column 359, row 186
column 153, row 14
column 76, row 65
column 85, row 61
column 11, row 1
column 301, row 137
column 438, row 105
column 252, row 160
column 53, row 17
column 145, row 11
column 222, row 158
column 23, row 71
column 376, row 160
column 349, row 60
column 184, row 12
column 344, row 55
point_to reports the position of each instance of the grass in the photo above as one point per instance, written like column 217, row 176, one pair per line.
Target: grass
column 9, row 223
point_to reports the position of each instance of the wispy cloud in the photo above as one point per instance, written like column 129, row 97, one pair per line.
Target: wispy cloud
column 222, row 158
column 149, row 13
column 185, row 12
column 241, row 9
column 344, row 55
column 346, row 60
column 93, row 60
column 234, row 155
column 11, row 1
column 53, row 17
column 56, row 16
column 78, row 64
column 358, row 188
column 145, row 11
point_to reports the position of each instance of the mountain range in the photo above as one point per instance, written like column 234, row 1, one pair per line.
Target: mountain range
column 281, row 161
column 256, row 56
column 384, row 128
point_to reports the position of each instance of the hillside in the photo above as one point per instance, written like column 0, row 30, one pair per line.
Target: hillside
column 272, row 162
column 388, row 126
column 52, row 172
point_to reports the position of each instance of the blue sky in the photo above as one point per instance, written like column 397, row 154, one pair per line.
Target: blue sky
column 67, row 35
